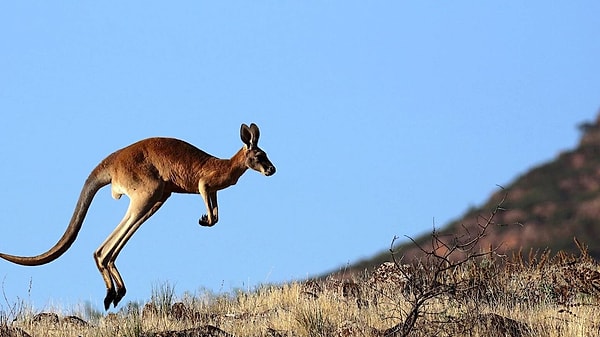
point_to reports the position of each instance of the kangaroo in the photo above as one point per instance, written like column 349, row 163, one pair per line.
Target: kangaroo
column 148, row 172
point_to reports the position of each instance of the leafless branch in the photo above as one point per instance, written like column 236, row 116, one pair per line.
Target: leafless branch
column 432, row 276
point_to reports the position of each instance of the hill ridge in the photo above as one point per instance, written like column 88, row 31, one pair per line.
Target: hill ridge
column 553, row 203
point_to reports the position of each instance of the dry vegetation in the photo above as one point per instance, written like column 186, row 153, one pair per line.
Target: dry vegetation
column 453, row 290
column 538, row 295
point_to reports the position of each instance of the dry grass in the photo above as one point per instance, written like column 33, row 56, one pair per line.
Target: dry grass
column 540, row 295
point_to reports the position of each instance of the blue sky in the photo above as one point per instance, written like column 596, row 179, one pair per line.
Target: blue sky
column 381, row 118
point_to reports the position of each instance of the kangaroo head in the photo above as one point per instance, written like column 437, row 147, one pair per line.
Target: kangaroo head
column 256, row 158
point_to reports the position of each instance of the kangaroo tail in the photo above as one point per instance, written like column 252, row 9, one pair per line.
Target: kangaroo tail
column 97, row 179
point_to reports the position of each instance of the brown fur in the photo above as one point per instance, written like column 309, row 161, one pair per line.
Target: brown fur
column 148, row 172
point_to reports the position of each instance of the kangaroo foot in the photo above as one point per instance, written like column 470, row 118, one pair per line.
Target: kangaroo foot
column 110, row 296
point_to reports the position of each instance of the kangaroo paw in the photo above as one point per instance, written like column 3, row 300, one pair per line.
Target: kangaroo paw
column 204, row 221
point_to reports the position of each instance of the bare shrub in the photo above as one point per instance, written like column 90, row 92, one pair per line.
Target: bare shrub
column 451, row 268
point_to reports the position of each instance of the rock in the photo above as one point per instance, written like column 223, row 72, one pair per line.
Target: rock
column 46, row 318
column 6, row 331
column 74, row 321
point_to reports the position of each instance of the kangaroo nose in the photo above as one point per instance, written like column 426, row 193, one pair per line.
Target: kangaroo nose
column 270, row 171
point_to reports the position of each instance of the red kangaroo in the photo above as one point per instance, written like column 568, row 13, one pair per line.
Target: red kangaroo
column 148, row 172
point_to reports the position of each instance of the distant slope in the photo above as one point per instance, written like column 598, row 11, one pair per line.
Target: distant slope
column 554, row 202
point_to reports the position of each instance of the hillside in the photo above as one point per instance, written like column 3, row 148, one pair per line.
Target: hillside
column 545, row 208
column 551, row 289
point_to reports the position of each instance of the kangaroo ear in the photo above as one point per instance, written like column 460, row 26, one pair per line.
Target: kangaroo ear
column 255, row 133
column 246, row 135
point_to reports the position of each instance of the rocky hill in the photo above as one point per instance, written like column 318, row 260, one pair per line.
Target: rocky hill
column 545, row 208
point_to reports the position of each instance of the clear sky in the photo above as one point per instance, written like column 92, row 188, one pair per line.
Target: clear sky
column 381, row 118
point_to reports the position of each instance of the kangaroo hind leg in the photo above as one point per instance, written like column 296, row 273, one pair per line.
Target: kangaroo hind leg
column 140, row 209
